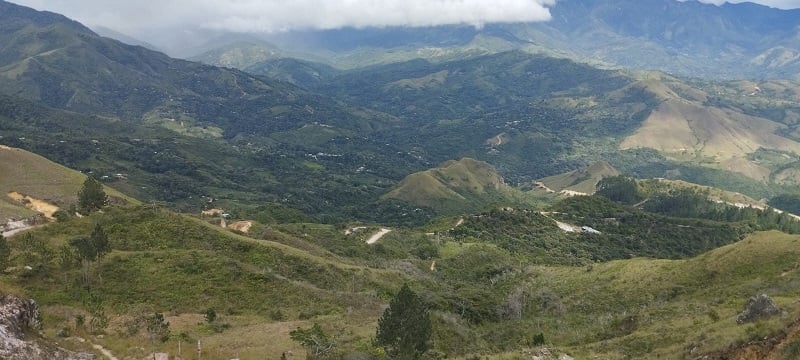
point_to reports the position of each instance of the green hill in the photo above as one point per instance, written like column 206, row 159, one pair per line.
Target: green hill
column 47, row 185
column 183, row 132
column 292, row 275
column 583, row 180
column 656, row 308
column 457, row 187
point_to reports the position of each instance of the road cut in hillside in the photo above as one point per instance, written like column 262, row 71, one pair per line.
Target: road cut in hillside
column 377, row 236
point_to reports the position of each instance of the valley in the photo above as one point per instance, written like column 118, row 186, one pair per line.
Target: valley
column 538, row 189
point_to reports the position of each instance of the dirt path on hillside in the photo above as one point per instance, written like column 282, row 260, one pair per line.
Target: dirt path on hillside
column 10, row 233
column 572, row 193
column 542, row 185
column 497, row 140
column 377, row 236
column 353, row 230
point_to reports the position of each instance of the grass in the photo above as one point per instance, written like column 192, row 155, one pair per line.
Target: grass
column 582, row 180
column 458, row 186
column 35, row 176
column 178, row 265
column 659, row 308
column 181, row 266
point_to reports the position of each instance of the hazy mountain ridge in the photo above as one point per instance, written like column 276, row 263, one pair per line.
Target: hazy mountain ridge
column 689, row 38
column 352, row 135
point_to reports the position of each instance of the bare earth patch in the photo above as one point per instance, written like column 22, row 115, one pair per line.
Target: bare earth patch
column 41, row 206
column 243, row 226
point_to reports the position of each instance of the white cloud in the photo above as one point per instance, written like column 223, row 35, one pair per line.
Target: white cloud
column 277, row 15
column 144, row 16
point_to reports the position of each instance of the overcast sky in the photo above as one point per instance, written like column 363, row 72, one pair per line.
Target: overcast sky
column 135, row 17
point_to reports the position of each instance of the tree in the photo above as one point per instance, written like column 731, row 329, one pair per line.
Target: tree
column 91, row 197
column 5, row 253
column 157, row 328
column 316, row 342
column 404, row 329
column 621, row 189
column 94, row 246
column 91, row 248
column 210, row 315
column 99, row 241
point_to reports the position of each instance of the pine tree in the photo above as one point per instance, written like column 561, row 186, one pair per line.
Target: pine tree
column 99, row 241
column 404, row 330
column 5, row 253
column 91, row 197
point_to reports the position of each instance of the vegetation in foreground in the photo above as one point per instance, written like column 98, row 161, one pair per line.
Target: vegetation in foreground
column 143, row 274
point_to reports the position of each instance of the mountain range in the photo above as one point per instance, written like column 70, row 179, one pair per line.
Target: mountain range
column 198, row 131
column 538, row 205
column 686, row 38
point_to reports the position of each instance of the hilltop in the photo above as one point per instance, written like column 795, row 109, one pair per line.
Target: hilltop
column 579, row 181
column 456, row 187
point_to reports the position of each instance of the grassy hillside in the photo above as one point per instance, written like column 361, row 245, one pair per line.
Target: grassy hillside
column 458, row 187
column 726, row 126
column 666, row 309
column 166, row 262
column 31, row 175
column 583, row 180
column 291, row 275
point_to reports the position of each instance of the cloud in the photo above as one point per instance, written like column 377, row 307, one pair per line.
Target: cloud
column 280, row 15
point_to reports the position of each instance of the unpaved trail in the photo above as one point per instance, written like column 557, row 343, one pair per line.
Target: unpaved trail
column 572, row 193
column 353, row 230
column 542, row 185
column 460, row 221
column 564, row 226
column 497, row 140
column 10, row 233
column 377, row 236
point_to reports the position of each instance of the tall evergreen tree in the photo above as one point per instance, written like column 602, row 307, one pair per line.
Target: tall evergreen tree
column 404, row 330
column 91, row 197
column 5, row 253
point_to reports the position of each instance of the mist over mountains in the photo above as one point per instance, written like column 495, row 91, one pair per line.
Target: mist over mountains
column 730, row 41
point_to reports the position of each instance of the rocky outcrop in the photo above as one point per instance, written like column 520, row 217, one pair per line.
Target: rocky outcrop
column 12, row 226
column 548, row 354
column 19, row 317
column 757, row 308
